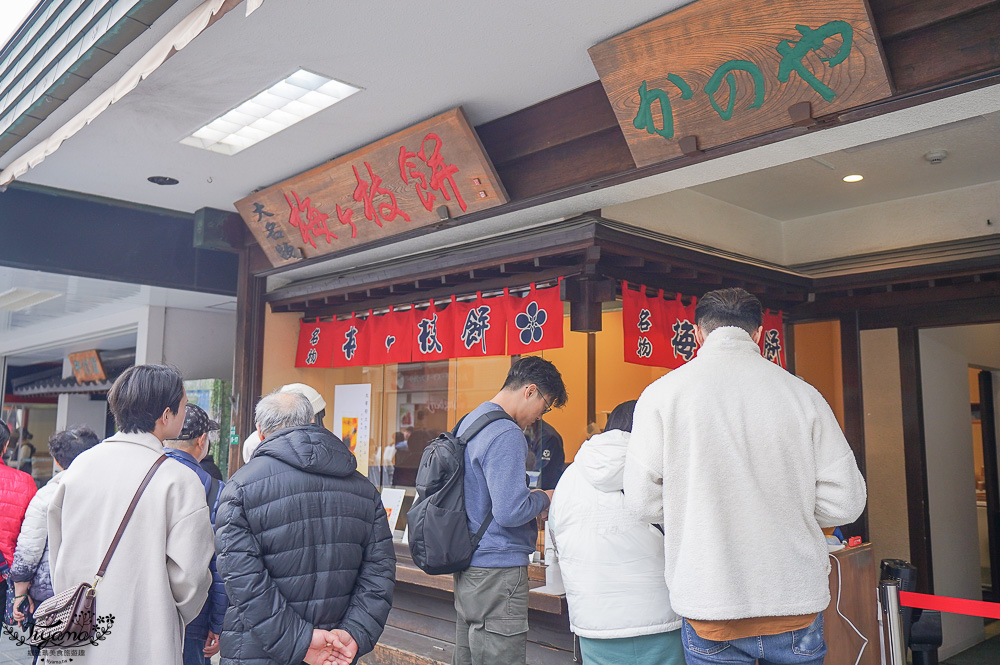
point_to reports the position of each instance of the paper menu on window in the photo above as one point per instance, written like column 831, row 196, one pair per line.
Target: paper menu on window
column 352, row 408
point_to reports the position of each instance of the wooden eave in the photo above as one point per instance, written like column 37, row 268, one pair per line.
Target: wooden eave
column 915, row 281
column 587, row 247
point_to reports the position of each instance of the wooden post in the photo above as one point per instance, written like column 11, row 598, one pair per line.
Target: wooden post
column 854, row 412
column 915, row 458
column 248, row 367
column 988, row 420
column 591, row 378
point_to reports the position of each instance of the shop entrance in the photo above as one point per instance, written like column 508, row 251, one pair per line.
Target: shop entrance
column 932, row 469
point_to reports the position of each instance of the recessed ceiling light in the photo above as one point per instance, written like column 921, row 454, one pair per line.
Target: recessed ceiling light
column 268, row 112
column 162, row 180
column 16, row 299
column 853, row 178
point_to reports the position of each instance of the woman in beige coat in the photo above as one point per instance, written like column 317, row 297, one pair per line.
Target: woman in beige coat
column 158, row 578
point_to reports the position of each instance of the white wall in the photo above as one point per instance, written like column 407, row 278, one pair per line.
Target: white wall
column 81, row 410
column 886, row 471
column 945, row 356
column 950, row 215
column 200, row 344
column 699, row 218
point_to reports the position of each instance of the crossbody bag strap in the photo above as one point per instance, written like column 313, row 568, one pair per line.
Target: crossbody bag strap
column 128, row 515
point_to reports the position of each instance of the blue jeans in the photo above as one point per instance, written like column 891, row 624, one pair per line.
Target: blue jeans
column 797, row 647
column 193, row 654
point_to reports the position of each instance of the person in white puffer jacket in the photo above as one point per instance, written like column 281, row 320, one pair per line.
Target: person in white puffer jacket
column 611, row 562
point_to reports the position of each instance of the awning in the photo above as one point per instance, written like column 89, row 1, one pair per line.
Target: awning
column 51, row 381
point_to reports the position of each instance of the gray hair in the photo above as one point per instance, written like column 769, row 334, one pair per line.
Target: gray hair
column 279, row 410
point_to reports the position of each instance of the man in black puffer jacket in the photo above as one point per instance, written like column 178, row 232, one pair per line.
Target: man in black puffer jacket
column 303, row 546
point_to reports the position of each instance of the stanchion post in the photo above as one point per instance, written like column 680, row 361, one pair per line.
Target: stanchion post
column 894, row 647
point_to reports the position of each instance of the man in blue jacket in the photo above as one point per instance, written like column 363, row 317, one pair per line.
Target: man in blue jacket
column 491, row 596
column 201, row 637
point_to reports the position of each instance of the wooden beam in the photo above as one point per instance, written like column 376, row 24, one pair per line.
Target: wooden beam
column 517, row 268
column 585, row 296
column 915, row 458
column 895, row 18
column 560, row 120
column 945, row 50
column 457, row 278
column 884, row 306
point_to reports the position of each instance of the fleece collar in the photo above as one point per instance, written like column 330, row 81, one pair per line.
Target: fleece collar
column 728, row 339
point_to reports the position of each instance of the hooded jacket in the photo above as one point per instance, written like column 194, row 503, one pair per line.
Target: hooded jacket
column 303, row 543
column 611, row 562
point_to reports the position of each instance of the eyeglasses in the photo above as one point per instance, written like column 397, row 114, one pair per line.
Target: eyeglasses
column 548, row 406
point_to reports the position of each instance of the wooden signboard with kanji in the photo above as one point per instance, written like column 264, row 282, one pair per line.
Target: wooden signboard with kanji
column 717, row 71
column 87, row 366
column 419, row 176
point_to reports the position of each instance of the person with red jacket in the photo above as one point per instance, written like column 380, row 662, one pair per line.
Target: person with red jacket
column 16, row 490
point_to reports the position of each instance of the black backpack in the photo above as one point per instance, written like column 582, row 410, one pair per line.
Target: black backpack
column 440, row 540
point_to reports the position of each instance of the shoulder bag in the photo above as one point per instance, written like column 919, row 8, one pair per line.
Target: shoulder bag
column 69, row 618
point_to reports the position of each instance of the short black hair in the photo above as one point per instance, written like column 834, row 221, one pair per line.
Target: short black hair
column 139, row 396
column 532, row 369
column 4, row 435
column 64, row 446
column 621, row 417
column 728, row 307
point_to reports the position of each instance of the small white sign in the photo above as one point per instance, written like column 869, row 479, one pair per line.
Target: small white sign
column 392, row 500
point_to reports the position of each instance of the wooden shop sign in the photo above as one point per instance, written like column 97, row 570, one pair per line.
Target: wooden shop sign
column 87, row 366
column 419, row 176
column 717, row 71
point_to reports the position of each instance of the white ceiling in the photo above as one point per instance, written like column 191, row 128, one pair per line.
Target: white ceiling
column 417, row 59
column 892, row 168
column 413, row 60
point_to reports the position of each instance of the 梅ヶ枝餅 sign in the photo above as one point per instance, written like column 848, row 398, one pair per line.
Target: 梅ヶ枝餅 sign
column 390, row 186
column 721, row 70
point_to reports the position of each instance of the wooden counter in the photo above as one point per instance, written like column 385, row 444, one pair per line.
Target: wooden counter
column 421, row 626
column 857, row 603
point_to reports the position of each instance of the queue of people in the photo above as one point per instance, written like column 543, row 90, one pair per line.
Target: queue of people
column 738, row 465
column 690, row 530
column 201, row 566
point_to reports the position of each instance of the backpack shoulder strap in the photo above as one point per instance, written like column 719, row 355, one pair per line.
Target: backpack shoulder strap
column 474, row 429
column 482, row 421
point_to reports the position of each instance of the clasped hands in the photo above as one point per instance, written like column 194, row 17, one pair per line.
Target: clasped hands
column 331, row 647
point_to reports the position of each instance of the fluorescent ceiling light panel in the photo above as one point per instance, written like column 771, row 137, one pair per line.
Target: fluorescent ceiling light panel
column 16, row 299
column 279, row 107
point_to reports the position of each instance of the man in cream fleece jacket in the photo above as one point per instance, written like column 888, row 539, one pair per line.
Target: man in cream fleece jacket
column 744, row 464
